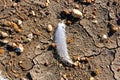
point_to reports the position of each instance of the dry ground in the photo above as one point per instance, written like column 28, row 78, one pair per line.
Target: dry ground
column 38, row 61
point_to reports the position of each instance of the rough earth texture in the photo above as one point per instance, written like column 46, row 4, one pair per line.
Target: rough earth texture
column 38, row 60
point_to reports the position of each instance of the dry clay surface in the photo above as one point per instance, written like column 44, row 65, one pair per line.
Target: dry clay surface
column 94, row 38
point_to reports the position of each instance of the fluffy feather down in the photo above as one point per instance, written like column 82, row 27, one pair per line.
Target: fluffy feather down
column 60, row 40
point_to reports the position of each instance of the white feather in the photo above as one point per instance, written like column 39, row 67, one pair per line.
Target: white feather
column 1, row 77
column 60, row 40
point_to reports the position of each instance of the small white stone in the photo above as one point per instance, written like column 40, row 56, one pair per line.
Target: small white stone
column 65, row 77
column 3, row 34
column 76, row 13
column 29, row 39
column 4, row 41
column 30, row 36
column 111, row 14
column 46, row 4
column 76, row 63
column 60, row 65
column 23, row 79
column 33, row 13
column 38, row 46
column 14, row 4
column 95, row 21
column 49, row 28
column 48, row 1
column 19, row 22
column 62, row 78
column 92, row 78
column 14, row 45
column 104, row 36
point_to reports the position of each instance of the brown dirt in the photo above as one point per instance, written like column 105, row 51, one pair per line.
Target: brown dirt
column 38, row 61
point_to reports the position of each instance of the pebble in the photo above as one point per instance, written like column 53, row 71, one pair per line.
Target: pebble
column 76, row 58
column 17, row 50
column 104, row 36
column 20, row 48
column 76, row 64
column 87, row 1
column 14, row 45
column 3, row 34
column 20, row 62
column 38, row 46
column 94, row 11
column 114, row 27
column 46, row 4
column 118, row 69
column 30, row 37
column 2, row 50
column 33, row 13
column 67, row 11
column 84, row 59
column 62, row 78
column 60, row 65
column 6, row 23
column 76, row 13
column 48, row 1
column 4, row 41
column 95, row 21
column 96, row 71
column 16, row 27
column 92, row 78
column 69, row 40
column 111, row 14
column 19, row 22
column 53, row 45
column 14, row 4
column 23, row 79
column 91, row 16
column 68, row 22
column 65, row 77
column 49, row 28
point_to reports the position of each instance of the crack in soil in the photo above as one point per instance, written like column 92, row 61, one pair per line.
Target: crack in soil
column 101, row 51
column 110, row 61
column 113, row 60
